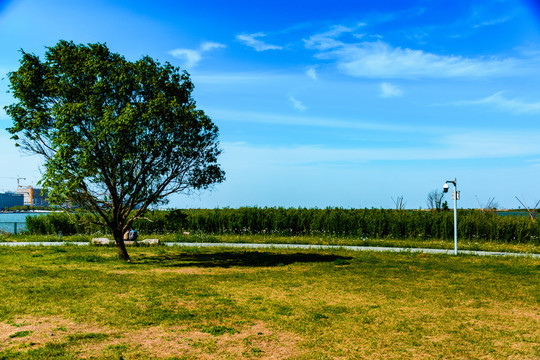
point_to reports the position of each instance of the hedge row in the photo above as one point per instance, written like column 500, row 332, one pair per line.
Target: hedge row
column 366, row 223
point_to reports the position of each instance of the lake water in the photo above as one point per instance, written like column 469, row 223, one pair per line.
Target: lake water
column 14, row 222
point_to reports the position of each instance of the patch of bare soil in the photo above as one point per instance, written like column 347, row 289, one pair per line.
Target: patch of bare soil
column 252, row 341
column 162, row 342
column 28, row 332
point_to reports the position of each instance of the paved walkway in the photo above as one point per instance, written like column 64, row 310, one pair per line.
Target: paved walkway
column 299, row 246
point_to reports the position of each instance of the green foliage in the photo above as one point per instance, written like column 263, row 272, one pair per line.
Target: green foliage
column 364, row 223
column 360, row 223
column 115, row 136
column 28, row 208
column 59, row 222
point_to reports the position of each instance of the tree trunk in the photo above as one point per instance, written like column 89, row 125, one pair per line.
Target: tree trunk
column 119, row 239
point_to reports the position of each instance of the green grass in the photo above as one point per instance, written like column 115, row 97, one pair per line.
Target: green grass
column 190, row 303
column 19, row 334
column 356, row 241
column 306, row 239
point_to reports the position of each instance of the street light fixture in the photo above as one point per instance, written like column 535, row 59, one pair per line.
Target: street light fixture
column 455, row 196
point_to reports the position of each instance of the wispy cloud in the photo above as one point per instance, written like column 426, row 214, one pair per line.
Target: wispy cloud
column 311, row 121
column 534, row 162
column 378, row 59
column 192, row 57
column 188, row 56
column 491, row 13
column 329, row 39
column 312, row 73
column 388, row 90
column 297, row 104
column 238, row 77
column 459, row 146
column 209, row 45
column 512, row 105
column 492, row 22
column 252, row 40
column 492, row 144
column 3, row 115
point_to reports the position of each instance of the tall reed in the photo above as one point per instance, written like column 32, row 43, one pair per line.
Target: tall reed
column 365, row 223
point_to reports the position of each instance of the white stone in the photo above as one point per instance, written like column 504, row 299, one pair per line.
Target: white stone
column 150, row 241
column 101, row 241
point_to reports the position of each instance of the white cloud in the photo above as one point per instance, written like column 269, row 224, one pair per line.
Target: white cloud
column 192, row 57
column 240, row 77
column 253, row 41
column 297, row 104
column 328, row 40
column 389, row 90
column 482, row 17
column 493, row 22
column 492, row 144
column 312, row 73
column 477, row 145
column 207, row 46
column 378, row 59
column 188, row 56
column 534, row 162
column 3, row 115
column 331, row 123
column 500, row 102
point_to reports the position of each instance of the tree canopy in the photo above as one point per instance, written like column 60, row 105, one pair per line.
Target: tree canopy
column 116, row 136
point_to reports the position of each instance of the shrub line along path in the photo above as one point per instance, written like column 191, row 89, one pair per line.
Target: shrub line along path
column 300, row 246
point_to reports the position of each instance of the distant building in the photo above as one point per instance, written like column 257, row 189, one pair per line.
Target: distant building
column 33, row 196
column 10, row 199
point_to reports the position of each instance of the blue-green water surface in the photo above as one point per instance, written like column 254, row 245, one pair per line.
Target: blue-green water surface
column 12, row 222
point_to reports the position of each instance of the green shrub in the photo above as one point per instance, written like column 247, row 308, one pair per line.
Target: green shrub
column 365, row 223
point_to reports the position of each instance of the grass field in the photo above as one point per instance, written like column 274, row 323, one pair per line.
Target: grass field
column 191, row 303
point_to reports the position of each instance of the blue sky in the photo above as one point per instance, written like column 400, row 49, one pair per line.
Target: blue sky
column 327, row 103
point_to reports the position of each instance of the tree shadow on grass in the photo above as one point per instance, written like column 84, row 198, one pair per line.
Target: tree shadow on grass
column 242, row 259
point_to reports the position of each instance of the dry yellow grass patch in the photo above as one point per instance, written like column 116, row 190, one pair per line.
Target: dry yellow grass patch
column 257, row 339
column 156, row 342
column 40, row 331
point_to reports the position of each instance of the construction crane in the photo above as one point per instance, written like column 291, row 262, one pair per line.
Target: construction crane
column 18, row 178
column 18, row 181
column 28, row 194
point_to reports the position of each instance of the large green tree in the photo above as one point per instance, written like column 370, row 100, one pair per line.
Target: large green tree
column 116, row 136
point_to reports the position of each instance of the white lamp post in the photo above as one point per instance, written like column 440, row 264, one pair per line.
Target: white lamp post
column 455, row 196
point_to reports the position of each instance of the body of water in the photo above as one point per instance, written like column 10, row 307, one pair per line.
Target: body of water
column 14, row 222
column 516, row 213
